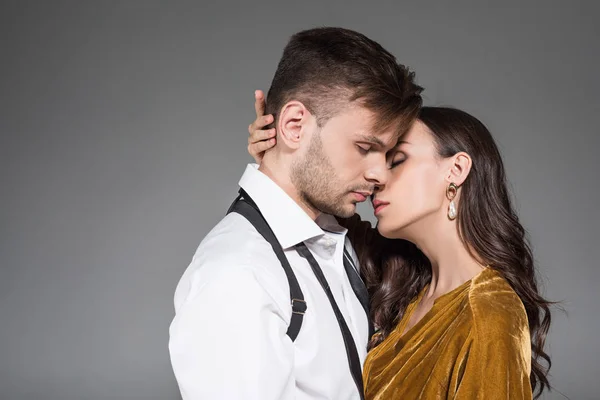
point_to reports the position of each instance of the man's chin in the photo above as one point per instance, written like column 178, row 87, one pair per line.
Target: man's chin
column 342, row 207
column 346, row 211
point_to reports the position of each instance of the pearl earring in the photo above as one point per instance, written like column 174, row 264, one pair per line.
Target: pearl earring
column 451, row 191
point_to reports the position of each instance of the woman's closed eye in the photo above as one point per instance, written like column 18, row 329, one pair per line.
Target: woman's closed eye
column 396, row 161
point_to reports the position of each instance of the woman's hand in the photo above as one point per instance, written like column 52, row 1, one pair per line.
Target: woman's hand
column 260, row 140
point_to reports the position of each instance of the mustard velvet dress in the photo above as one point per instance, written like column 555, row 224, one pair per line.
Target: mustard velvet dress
column 473, row 344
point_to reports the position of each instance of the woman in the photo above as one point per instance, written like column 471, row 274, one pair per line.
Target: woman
column 452, row 280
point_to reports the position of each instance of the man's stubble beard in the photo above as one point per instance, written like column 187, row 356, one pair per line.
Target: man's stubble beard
column 317, row 183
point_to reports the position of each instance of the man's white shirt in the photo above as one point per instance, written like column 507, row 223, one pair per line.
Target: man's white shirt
column 228, row 338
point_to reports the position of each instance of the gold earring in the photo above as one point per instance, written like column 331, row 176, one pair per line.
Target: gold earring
column 451, row 191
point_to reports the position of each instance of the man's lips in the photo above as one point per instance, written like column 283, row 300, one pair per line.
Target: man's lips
column 361, row 196
column 379, row 205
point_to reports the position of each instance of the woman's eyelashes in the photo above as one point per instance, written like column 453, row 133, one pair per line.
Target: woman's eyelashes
column 397, row 160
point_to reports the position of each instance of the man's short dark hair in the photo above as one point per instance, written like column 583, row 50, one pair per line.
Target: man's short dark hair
column 326, row 68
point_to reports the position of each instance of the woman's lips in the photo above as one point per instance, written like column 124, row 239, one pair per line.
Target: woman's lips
column 379, row 205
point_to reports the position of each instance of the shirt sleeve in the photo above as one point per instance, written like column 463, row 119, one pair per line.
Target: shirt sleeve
column 499, row 362
column 228, row 339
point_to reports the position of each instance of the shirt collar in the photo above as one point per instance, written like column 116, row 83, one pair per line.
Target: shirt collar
column 289, row 222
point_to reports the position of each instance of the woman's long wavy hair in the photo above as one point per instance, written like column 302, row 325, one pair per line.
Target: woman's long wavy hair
column 397, row 271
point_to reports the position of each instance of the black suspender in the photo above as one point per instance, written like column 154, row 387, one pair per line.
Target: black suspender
column 351, row 352
column 246, row 207
column 358, row 286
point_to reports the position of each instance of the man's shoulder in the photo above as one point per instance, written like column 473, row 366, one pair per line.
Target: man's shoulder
column 234, row 240
column 233, row 249
column 233, row 245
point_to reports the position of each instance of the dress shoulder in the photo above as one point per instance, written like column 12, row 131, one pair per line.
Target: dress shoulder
column 494, row 302
column 498, row 313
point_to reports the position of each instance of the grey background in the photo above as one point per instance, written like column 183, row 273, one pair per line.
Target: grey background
column 123, row 136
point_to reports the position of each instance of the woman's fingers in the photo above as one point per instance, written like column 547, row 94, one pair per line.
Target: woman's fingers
column 260, row 135
column 257, row 149
column 259, row 103
column 259, row 123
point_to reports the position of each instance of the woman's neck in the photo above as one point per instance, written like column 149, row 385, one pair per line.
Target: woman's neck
column 451, row 263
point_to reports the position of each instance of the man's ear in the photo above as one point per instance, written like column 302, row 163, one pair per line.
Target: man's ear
column 294, row 124
column 459, row 168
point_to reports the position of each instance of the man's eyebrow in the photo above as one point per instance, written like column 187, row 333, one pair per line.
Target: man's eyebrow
column 373, row 139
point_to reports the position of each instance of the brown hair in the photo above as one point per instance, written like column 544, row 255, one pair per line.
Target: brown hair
column 325, row 68
column 396, row 271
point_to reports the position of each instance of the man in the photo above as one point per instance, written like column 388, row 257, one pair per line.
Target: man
column 271, row 306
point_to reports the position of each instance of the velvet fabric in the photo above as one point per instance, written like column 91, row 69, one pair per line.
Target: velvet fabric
column 473, row 344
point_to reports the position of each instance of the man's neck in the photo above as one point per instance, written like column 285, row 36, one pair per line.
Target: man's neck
column 280, row 175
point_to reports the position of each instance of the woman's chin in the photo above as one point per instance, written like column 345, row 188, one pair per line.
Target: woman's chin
column 391, row 232
column 385, row 231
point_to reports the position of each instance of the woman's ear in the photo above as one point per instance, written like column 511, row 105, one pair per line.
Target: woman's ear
column 460, row 167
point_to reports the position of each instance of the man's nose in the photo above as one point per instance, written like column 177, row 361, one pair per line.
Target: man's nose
column 377, row 174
